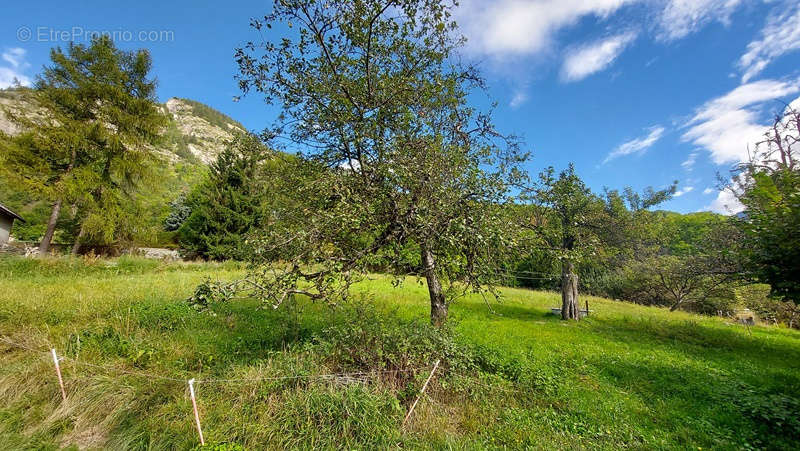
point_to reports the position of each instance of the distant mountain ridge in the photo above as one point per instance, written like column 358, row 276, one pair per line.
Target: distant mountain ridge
column 196, row 132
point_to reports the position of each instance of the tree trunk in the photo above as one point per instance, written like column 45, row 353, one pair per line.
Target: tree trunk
column 438, row 304
column 76, row 246
column 569, row 291
column 44, row 246
column 676, row 305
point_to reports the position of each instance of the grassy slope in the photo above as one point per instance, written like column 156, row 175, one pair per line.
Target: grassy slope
column 628, row 376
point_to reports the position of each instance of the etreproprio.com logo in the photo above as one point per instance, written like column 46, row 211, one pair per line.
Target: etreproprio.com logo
column 73, row 34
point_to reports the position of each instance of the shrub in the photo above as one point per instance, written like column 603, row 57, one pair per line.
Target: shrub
column 384, row 341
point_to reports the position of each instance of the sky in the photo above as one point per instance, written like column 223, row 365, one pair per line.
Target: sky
column 633, row 92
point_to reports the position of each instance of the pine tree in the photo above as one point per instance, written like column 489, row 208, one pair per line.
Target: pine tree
column 229, row 203
column 89, row 144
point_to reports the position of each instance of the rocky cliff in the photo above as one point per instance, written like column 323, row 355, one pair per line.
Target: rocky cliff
column 195, row 133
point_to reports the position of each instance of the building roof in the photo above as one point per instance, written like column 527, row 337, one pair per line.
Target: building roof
column 7, row 211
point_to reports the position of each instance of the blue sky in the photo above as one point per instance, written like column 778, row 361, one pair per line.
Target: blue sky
column 634, row 92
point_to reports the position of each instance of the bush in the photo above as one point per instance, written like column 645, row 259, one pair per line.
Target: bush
column 384, row 341
column 774, row 413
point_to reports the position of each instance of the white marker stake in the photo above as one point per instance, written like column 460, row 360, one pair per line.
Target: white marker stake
column 196, row 414
column 58, row 372
column 424, row 386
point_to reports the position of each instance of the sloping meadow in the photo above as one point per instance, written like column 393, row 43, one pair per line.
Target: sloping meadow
column 308, row 376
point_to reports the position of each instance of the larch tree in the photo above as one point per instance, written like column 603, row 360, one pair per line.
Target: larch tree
column 89, row 142
column 373, row 97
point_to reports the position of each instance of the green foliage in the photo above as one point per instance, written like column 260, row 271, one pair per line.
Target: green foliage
column 90, row 146
column 151, row 200
column 772, row 412
column 385, row 341
column 770, row 225
column 769, row 309
column 569, row 225
column 769, row 188
column 228, row 205
column 404, row 162
column 566, row 214
column 685, row 234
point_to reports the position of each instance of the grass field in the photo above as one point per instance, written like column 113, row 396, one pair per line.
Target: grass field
column 626, row 377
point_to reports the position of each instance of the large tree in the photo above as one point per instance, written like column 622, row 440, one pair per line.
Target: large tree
column 372, row 94
column 89, row 141
column 768, row 185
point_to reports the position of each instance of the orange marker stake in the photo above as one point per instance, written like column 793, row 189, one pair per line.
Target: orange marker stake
column 58, row 372
column 196, row 413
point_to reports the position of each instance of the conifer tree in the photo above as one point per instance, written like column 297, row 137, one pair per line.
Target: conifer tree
column 90, row 142
column 228, row 204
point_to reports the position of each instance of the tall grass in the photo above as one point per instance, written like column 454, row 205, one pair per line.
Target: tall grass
column 626, row 377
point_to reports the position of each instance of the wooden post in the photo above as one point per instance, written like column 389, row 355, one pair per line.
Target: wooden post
column 58, row 372
column 587, row 307
column 196, row 413
column 421, row 392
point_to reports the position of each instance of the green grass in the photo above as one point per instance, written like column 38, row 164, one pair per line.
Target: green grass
column 626, row 377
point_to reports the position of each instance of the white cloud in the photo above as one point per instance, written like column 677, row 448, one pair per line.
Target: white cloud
column 504, row 29
column 727, row 125
column 638, row 145
column 350, row 165
column 725, row 203
column 519, row 98
column 683, row 191
column 679, row 18
column 708, row 191
column 594, row 57
column 518, row 27
column 10, row 76
column 688, row 164
column 780, row 35
column 744, row 96
column 16, row 57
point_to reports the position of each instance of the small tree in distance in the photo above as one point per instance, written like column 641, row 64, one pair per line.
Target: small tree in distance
column 373, row 97
column 573, row 224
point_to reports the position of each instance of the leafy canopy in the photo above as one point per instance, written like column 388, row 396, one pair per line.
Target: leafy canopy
column 374, row 98
column 769, row 188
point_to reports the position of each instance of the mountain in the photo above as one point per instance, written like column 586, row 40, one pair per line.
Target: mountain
column 194, row 136
column 196, row 132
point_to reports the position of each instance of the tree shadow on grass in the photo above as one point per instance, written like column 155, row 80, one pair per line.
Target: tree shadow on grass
column 504, row 310
column 241, row 332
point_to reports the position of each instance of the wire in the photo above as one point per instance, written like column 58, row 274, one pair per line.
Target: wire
column 214, row 381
